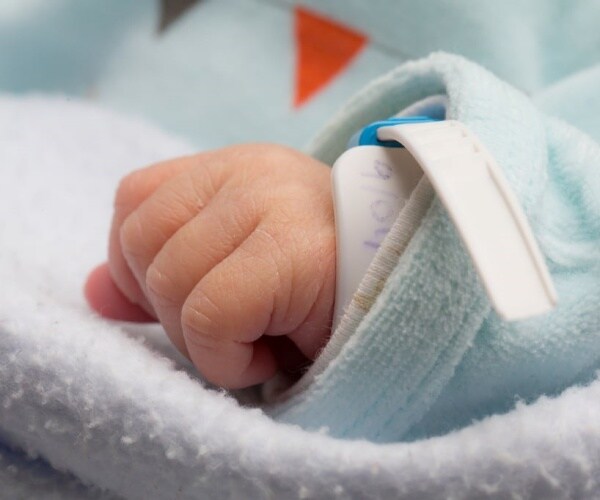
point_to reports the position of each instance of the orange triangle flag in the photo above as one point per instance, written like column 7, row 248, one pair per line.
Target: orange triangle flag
column 324, row 48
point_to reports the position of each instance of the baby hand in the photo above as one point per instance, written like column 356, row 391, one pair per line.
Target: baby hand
column 228, row 250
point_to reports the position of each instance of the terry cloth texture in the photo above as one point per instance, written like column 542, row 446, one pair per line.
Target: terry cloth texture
column 114, row 409
column 430, row 356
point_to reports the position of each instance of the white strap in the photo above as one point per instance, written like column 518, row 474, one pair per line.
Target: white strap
column 487, row 214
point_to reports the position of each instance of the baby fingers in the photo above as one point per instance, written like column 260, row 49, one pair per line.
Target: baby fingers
column 228, row 311
column 191, row 253
column 133, row 190
column 148, row 226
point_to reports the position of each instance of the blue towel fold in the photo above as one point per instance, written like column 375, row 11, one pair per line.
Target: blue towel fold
column 430, row 356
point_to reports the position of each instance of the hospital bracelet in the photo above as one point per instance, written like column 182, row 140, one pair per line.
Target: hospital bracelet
column 373, row 180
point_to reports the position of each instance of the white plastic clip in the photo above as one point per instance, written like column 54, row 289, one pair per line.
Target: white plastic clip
column 486, row 213
column 372, row 183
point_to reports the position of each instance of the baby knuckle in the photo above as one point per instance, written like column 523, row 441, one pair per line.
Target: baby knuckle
column 275, row 155
column 261, row 157
column 198, row 325
column 131, row 236
column 273, row 150
column 127, row 190
column 160, row 287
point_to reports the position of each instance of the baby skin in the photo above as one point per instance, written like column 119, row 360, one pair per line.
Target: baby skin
column 233, row 251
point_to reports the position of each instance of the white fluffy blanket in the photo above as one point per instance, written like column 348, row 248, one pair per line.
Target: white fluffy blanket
column 117, row 412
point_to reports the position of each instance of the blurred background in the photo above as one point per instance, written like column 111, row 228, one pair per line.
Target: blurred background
column 222, row 71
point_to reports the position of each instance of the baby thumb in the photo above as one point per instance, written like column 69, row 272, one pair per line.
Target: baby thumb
column 106, row 299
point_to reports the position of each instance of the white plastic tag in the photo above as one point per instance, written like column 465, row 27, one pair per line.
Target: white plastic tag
column 371, row 183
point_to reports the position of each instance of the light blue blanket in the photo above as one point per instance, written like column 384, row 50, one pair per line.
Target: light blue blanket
column 438, row 357
column 98, row 402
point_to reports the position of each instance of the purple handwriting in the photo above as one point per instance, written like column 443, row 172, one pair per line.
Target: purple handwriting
column 384, row 208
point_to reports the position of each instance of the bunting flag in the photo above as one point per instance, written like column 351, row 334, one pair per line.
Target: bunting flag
column 171, row 10
column 324, row 48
